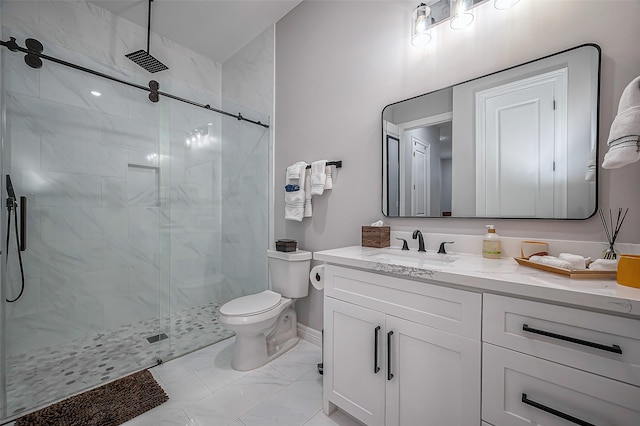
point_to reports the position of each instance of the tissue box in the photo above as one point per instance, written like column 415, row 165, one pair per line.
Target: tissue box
column 376, row 236
column 286, row 245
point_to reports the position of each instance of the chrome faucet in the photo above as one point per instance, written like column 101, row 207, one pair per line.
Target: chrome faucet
column 417, row 234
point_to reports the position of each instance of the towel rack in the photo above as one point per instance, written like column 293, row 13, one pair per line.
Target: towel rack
column 338, row 164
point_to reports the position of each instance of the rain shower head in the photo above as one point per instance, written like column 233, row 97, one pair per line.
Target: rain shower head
column 146, row 61
column 143, row 57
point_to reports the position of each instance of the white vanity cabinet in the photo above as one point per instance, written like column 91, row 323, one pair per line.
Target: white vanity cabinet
column 412, row 342
column 400, row 352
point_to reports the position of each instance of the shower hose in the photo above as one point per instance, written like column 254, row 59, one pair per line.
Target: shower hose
column 11, row 206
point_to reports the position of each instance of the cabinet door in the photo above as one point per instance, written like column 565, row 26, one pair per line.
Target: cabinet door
column 435, row 376
column 353, row 364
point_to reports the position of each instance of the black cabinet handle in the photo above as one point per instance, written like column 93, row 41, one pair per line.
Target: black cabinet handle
column 375, row 350
column 613, row 348
column 555, row 412
column 389, row 373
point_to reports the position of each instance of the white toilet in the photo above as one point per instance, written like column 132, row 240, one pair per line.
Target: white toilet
column 265, row 323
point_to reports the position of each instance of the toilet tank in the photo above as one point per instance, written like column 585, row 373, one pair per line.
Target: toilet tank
column 289, row 272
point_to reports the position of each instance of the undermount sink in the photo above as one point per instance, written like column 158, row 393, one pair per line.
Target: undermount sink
column 392, row 255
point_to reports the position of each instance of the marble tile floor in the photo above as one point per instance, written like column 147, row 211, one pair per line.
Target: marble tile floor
column 204, row 390
column 52, row 373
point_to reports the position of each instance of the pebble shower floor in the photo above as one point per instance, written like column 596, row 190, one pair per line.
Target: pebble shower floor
column 54, row 373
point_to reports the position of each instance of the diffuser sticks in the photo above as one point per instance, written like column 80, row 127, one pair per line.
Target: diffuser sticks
column 611, row 231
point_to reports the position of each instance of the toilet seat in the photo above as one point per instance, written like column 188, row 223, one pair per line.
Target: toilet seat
column 253, row 304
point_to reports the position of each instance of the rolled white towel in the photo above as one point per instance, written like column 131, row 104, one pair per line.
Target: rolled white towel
column 624, row 135
column 551, row 261
column 318, row 177
column 622, row 151
column 577, row 261
column 604, row 265
column 293, row 171
column 328, row 184
column 626, row 122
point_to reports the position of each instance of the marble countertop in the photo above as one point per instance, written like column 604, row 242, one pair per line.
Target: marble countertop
column 502, row 276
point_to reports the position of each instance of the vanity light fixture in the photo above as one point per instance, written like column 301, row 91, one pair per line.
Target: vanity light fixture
column 504, row 4
column 461, row 17
column 420, row 21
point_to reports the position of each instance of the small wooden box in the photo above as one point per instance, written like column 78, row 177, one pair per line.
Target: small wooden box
column 376, row 236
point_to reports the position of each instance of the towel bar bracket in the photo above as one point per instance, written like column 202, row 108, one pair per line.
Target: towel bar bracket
column 338, row 164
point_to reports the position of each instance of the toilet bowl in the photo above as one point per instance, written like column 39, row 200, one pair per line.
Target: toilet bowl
column 265, row 323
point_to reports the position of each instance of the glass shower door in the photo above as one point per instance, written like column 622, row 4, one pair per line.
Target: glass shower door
column 85, row 152
column 218, row 215
column 143, row 219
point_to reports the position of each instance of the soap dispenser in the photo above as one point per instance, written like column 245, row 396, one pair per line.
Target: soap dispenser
column 491, row 247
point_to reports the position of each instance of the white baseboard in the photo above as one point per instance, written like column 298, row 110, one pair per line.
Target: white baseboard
column 310, row 335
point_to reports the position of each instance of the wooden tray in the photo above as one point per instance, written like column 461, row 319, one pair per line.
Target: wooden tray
column 571, row 273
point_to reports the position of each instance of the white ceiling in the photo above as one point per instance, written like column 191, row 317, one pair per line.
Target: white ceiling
column 214, row 28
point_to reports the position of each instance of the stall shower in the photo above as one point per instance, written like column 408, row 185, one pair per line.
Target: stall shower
column 137, row 227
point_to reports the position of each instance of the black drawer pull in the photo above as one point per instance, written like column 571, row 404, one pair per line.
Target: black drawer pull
column 613, row 348
column 555, row 412
column 375, row 350
column 389, row 373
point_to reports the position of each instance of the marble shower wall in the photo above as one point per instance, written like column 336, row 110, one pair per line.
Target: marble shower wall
column 120, row 190
column 248, row 80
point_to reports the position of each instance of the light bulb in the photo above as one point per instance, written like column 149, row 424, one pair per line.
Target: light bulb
column 419, row 24
column 461, row 17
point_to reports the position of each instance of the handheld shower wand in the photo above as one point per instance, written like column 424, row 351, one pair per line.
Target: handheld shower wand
column 12, row 206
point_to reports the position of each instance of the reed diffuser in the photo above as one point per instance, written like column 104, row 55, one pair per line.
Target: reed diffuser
column 612, row 231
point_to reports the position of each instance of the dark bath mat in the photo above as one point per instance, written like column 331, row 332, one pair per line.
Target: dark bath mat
column 108, row 405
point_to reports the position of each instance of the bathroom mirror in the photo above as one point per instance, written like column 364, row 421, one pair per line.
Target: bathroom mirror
column 517, row 143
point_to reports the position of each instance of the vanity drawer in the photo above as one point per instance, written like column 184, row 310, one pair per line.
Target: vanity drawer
column 448, row 309
column 519, row 389
column 599, row 343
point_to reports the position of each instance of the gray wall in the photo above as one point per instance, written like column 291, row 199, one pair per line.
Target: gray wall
column 333, row 79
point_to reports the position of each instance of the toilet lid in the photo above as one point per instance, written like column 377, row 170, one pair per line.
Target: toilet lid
column 251, row 305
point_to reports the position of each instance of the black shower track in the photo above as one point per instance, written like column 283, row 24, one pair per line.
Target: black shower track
column 153, row 87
